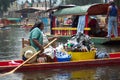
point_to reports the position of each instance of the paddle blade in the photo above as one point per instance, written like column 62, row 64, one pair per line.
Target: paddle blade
column 5, row 74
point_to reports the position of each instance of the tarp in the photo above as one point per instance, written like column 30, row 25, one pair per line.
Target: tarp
column 91, row 9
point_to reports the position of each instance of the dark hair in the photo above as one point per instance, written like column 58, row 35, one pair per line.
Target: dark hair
column 112, row 3
column 38, row 24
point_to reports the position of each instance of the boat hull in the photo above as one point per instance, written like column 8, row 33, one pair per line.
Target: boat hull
column 7, row 66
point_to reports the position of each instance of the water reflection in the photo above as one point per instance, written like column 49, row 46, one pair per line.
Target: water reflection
column 10, row 42
column 86, row 73
column 14, row 76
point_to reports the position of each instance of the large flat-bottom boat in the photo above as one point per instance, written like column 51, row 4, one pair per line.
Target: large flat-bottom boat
column 11, row 64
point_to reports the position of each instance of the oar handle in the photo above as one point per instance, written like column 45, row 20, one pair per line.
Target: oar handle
column 34, row 55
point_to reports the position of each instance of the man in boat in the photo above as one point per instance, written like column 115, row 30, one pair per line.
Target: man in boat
column 96, row 31
column 112, row 18
column 93, row 24
column 38, row 40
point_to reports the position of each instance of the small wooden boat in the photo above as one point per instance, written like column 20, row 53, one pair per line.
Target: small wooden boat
column 11, row 64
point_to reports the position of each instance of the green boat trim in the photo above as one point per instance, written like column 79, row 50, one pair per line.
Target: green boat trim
column 99, row 40
column 96, row 40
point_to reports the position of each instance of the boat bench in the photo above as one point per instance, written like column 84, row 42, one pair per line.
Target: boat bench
column 25, row 42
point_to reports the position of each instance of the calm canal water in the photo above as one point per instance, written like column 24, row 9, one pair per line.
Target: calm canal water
column 10, row 46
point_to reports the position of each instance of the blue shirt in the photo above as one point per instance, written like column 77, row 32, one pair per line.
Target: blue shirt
column 36, row 33
column 113, row 11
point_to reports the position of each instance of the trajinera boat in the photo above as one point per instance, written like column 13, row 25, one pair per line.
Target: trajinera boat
column 89, row 19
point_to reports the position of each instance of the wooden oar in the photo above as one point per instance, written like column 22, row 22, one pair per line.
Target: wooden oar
column 1, row 75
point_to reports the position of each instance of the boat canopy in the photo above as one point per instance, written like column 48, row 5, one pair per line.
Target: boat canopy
column 91, row 9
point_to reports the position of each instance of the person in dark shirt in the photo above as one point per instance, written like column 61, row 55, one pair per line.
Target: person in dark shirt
column 75, row 21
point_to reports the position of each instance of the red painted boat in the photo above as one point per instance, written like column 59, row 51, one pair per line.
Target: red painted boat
column 9, row 65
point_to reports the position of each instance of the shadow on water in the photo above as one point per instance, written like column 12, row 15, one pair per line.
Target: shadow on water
column 10, row 46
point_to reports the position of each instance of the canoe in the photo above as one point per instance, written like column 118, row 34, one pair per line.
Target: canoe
column 8, row 65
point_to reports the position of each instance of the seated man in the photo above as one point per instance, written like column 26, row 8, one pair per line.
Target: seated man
column 96, row 31
column 93, row 24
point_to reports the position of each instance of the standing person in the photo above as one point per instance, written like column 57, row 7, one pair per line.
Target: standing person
column 112, row 18
column 52, row 21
